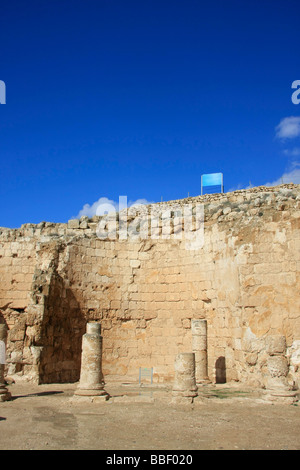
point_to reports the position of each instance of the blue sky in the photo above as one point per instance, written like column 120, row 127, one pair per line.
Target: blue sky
column 139, row 98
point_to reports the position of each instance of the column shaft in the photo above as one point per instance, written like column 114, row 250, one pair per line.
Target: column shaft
column 91, row 378
column 199, row 347
column 184, row 381
column 4, row 393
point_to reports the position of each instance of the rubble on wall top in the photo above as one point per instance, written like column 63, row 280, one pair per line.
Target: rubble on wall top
column 226, row 202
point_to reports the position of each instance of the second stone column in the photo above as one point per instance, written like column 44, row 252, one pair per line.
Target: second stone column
column 199, row 347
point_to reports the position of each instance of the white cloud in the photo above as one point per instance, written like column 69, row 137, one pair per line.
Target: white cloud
column 104, row 205
column 292, row 176
column 139, row 202
column 236, row 188
column 91, row 209
column 288, row 128
column 295, row 152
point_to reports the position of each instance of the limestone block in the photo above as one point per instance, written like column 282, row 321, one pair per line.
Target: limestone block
column 276, row 345
column 134, row 263
column 226, row 210
column 83, row 224
column 17, row 333
column 251, row 359
column 278, row 366
column 252, row 343
column 36, row 352
column 294, row 354
column 73, row 223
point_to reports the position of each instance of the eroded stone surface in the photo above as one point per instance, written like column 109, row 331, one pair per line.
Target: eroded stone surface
column 5, row 395
column 244, row 280
column 91, row 378
column 184, row 387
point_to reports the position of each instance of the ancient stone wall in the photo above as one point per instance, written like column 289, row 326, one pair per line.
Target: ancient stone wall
column 244, row 281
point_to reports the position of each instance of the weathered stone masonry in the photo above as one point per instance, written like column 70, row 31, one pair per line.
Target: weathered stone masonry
column 54, row 278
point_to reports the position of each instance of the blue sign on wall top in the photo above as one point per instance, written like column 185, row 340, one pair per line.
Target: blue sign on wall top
column 212, row 179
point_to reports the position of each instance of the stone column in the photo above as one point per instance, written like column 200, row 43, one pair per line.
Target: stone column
column 184, row 388
column 91, row 378
column 4, row 393
column 277, row 384
column 199, row 347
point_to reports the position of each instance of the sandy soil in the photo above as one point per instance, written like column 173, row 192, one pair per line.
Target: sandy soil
column 48, row 417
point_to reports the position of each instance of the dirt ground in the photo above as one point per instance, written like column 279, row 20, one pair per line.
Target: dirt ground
column 135, row 418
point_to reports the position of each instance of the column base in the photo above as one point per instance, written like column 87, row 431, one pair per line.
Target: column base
column 183, row 397
column 203, row 381
column 5, row 395
column 79, row 399
column 90, row 392
column 185, row 393
column 281, row 396
column 179, row 400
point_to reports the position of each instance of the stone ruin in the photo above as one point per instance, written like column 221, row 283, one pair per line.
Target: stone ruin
column 230, row 305
column 185, row 388
column 4, row 393
column 91, row 377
